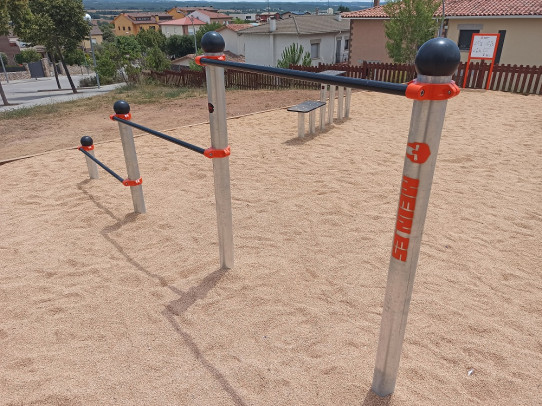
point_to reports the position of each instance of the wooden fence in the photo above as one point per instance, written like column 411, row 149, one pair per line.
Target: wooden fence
column 507, row 78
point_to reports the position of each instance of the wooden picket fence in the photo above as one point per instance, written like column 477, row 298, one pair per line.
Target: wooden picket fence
column 507, row 78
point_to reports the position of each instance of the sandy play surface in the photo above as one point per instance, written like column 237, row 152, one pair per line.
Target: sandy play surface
column 99, row 306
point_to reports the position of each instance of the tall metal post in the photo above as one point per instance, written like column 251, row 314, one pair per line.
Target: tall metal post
column 323, row 96
column 88, row 144
column 213, row 46
column 436, row 62
column 88, row 19
column 331, row 105
column 347, row 102
column 4, row 69
column 122, row 108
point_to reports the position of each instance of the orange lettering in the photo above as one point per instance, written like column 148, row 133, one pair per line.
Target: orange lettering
column 399, row 247
column 404, row 224
column 409, row 186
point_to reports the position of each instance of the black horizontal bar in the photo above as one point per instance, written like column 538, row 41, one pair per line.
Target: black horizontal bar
column 354, row 83
column 162, row 135
column 111, row 172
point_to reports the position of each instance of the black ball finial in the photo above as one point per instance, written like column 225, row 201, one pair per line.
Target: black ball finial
column 86, row 141
column 438, row 57
column 212, row 42
column 121, row 107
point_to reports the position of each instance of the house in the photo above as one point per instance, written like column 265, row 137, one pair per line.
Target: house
column 96, row 35
column 519, row 22
column 325, row 37
column 234, row 41
column 132, row 23
column 209, row 17
column 290, row 14
column 180, row 12
column 9, row 46
column 181, row 26
column 244, row 16
column 264, row 17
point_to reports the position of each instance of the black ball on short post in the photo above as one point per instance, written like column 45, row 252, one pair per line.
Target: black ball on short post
column 121, row 107
column 86, row 141
column 212, row 42
column 438, row 57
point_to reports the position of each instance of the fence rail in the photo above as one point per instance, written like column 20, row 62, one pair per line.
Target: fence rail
column 506, row 78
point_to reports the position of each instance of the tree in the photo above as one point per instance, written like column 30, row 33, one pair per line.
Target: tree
column 343, row 9
column 411, row 24
column 237, row 20
column 156, row 60
column 294, row 55
column 122, row 56
column 27, row 56
column 11, row 11
column 151, row 38
column 108, row 34
column 57, row 24
column 180, row 45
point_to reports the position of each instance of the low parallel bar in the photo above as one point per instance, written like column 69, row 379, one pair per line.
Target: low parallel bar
column 111, row 172
column 161, row 135
column 364, row 84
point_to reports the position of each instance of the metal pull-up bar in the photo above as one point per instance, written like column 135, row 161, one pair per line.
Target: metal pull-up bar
column 123, row 115
column 354, row 83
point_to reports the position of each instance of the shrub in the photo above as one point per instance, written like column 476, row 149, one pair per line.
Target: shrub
column 27, row 56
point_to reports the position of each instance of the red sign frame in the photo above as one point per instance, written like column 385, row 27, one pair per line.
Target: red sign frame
column 492, row 58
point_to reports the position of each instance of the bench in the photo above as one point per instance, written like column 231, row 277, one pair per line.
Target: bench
column 310, row 107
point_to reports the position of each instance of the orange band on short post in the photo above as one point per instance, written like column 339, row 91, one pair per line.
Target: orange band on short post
column 431, row 91
column 217, row 153
column 86, row 148
column 217, row 57
column 128, row 182
column 123, row 116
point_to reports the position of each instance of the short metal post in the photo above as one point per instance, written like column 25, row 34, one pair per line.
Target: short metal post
column 130, row 157
column 312, row 121
column 331, row 106
column 88, row 144
column 300, row 125
column 347, row 102
column 213, row 45
column 435, row 65
column 323, row 96
column 340, row 114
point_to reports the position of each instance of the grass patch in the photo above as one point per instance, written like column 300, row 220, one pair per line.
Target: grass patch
column 146, row 93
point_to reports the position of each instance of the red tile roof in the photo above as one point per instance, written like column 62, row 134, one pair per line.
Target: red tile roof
column 183, row 21
column 468, row 8
column 236, row 27
column 212, row 14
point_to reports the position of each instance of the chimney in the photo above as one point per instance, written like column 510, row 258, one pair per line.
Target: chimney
column 272, row 25
column 376, row 3
column 338, row 17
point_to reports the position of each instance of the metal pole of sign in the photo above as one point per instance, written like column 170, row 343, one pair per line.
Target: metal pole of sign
column 436, row 61
column 130, row 157
column 213, row 46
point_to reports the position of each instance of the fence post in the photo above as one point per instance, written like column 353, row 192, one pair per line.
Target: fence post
column 88, row 144
column 436, row 62
column 122, row 108
column 213, row 45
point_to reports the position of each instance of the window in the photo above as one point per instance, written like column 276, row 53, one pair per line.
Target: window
column 119, row 27
column 123, row 28
column 346, row 44
column 315, row 49
column 465, row 37
column 129, row 28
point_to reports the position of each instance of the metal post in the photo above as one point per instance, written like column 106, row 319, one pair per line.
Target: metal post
column 340, row 114
column 87, row 142
column 300, row 125
column 130, row 156
column 331, row 106
column 435, row 65
column 213, row 45
column 323, row 95
column 312, row 122
column 347, row 102
column 94, row 60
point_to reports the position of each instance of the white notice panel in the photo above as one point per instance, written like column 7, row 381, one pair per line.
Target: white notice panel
column 483, row 46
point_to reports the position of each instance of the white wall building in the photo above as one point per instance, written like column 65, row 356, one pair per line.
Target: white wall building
column 326, row 37
column 233, row 39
